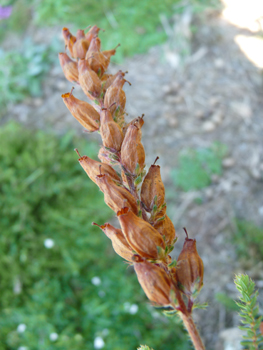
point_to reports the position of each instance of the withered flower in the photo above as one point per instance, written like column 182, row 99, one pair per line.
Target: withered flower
column 93, row 32
column 119, row 243
column 85, row 114
column 155, row 282
column 116, row 195
column 166, row 228
column 69, row 40
column 89, row 80
column 115, row 98
column 140, row 235
column 111, row 132
column 132, row 150
column 190, row 269
column 153, row 191
column 69, row 67
column 81, row 45
column 93, row 168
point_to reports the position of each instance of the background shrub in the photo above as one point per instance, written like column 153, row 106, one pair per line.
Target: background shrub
column 58, row 274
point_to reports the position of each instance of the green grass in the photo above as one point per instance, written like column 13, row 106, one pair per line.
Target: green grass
column 45, row 194
column 136, row 25
column 22, row 70
column 196, row 167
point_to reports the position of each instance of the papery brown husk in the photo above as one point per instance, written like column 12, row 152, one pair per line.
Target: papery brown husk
column 190, row 268
column 155, row 282
column 69, row 40
column 103, row 156
column 140, row 235
column 153, row 186
column 166, row 228
column 69, row 67
column 132, row 150
column 115, row 96
column 111, row 132
column 85, row 114
column 81, row 45
column 92, row 33
column 93, row 168
column 115, row 196
column 89, row 80
column 119, row 243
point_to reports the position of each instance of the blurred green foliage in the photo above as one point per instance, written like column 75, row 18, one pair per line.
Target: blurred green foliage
column 134, row 24
column 248, row 240
column 23, row 70
column 225, row 300
column 45, row 197
column 196, row 166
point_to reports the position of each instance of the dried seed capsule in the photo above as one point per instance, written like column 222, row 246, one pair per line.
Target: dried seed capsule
column 96, row 59
column 115, row 195
column 140, row 235
column 132, row 150
column 89, row 80
column 81, row 45
column 155, row 282
column 85, row 114
column 190, row 269
column 103, row 156
column 153, row 191
column 137, row 121
column 115, row 98
column 69, row 67
column 166, row 228
column 119, row 243
column 108, row 54
column 92, row 33
column 93, row 168
column 110, row 80
column 111, row 132
column 69, row 40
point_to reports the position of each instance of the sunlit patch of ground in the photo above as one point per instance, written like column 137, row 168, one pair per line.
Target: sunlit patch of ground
column 247, row 14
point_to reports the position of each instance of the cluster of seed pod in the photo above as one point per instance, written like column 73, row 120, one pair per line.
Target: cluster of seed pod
column 146, row 235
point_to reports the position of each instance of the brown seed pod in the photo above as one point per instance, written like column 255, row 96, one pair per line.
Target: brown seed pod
column 111, row 132
column 155, row 282
column 115, row 98
column 132, row 150
column 103, row 156
column 85, row 114
column 93, row 168
column 166, row 228
column 69, row 40
column 119, row 243
column 92, row 33
column 81, row 45
column 140, row 235
column 89, row 80
column 137, row 121
column 153, row 191
column 110, row 79
column 69, row 67
column 115, row 195
column 108, row 54
column 190, row 269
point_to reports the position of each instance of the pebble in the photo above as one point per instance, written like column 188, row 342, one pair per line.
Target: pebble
column 217, row 117
column 243, row 109
column 208, row 126
column 228, row 162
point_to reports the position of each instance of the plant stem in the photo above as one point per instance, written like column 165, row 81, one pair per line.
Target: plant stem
column 193, row 332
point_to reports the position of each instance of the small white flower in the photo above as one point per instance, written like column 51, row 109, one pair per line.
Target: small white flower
column 22, row 348
column 49, row 243
column 96, row 281
column 98, row 343
column 21, row 328
column 133, row 309
column 53, row 336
